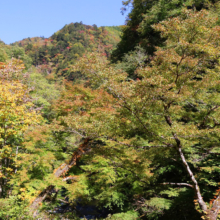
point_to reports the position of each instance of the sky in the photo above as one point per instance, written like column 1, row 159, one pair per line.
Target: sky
column 20, row 19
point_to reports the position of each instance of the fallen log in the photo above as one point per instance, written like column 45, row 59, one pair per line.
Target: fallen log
column 61, row 171
column 83, row 148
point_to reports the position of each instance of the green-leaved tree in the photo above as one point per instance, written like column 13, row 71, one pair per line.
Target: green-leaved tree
column 171, row 115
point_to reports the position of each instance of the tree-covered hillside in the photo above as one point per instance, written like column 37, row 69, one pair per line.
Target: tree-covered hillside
column 65, row 46
column 8, row 52
column 92, row 132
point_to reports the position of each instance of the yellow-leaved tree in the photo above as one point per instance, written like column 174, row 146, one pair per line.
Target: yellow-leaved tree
column 17, row 114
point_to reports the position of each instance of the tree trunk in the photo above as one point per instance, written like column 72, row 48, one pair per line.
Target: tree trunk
column 209, row 213
column 60, row 171
column 213, row 212
column 200, row 200
column 41, row 197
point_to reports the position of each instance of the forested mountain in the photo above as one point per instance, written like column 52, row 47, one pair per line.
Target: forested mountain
column 89, row 131
column 65, row 46
column 7, row 52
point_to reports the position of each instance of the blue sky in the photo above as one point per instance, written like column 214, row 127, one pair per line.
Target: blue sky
column 30, row 18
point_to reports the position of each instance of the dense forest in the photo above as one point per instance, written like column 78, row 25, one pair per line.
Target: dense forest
column 115, row 123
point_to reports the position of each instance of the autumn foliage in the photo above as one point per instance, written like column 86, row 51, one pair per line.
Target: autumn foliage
column 136, row 142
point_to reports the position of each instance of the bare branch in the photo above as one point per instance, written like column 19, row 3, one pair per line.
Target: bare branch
column 168, row 120
column 76, row 132
column 179, row 184
column 63, row 201
column 70, row 178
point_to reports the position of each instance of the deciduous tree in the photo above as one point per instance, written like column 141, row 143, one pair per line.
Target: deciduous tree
column 171, row 113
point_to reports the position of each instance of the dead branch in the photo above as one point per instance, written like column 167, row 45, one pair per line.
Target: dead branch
column 179, row 184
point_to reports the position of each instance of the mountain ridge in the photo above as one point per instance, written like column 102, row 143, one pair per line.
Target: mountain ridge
column 66, row 45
